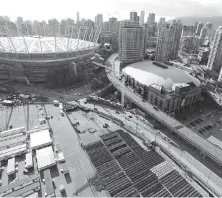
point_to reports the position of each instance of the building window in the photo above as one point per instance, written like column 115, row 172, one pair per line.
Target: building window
column 174, row 104
column 161, row 104
column 156, row 101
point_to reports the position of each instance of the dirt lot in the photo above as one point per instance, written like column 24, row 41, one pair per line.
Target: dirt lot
column 75, row 92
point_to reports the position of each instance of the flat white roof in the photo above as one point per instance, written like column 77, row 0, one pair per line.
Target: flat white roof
column 45, row 158
column 11, row 166
column 61, row 157
column 40, row 139
column 28, row 160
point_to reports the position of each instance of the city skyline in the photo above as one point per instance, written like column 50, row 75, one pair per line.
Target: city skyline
column 120, row 9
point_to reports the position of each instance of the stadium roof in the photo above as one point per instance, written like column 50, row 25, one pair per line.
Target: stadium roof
column 147, row 73
column 43, row 45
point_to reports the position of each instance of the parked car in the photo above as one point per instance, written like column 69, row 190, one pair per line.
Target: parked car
column 201, row 131
column 155, row 107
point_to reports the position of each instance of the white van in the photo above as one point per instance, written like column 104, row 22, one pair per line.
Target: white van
column 60, row 106
column 62, row 113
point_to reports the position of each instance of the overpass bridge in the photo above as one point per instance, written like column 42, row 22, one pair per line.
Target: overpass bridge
column 202, row 144
column 101, row 65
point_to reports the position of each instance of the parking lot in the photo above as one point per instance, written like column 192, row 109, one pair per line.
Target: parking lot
column 208, row 125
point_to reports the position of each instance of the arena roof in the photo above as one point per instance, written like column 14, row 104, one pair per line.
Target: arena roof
column 147, row 73
column 38, row 45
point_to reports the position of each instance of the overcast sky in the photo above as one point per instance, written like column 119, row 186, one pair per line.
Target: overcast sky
column 60, row 9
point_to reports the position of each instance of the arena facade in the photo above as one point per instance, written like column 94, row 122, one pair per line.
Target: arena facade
column 49, row 58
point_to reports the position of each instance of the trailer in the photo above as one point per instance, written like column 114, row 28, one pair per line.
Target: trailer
column 11, row 166
column 28, row 161
column 56, row 103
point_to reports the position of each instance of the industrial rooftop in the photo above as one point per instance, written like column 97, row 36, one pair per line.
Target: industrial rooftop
column 87, row 153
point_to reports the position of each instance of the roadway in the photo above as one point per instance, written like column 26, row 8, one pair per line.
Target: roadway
column 206, row 147
column 67, row 140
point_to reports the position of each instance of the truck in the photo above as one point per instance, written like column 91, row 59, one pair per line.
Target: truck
column 61, row 112
column 62, row 188
column 155, row 107
column 64, row 170
column 28, row 161
column 56, row 102
column 60, row 106
column 11, row 166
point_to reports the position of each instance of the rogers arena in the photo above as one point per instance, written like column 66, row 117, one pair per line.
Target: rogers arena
column 43, row 58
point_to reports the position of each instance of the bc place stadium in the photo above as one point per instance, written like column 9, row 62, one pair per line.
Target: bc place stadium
column 38, row 57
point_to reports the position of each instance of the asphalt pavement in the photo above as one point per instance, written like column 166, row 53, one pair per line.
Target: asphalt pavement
column 79, row 165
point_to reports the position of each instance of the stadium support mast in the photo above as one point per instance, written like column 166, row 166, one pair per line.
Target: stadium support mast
column 82, row 33
column 77, row 46
column 94, row 35
column 21, row 33
column 54, row 32
column 65, row 31
column 40, row 43
column 71, row 41
column 3, row 46
column 9, row 37
column 72, row 32
column 27, row 29
column 97, row 36
column 35, row 29
column 43, row 26
column 84, row 38
column 90, row 36
column 68, row 45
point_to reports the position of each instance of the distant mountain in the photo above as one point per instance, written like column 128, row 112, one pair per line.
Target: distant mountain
column 216, row 20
